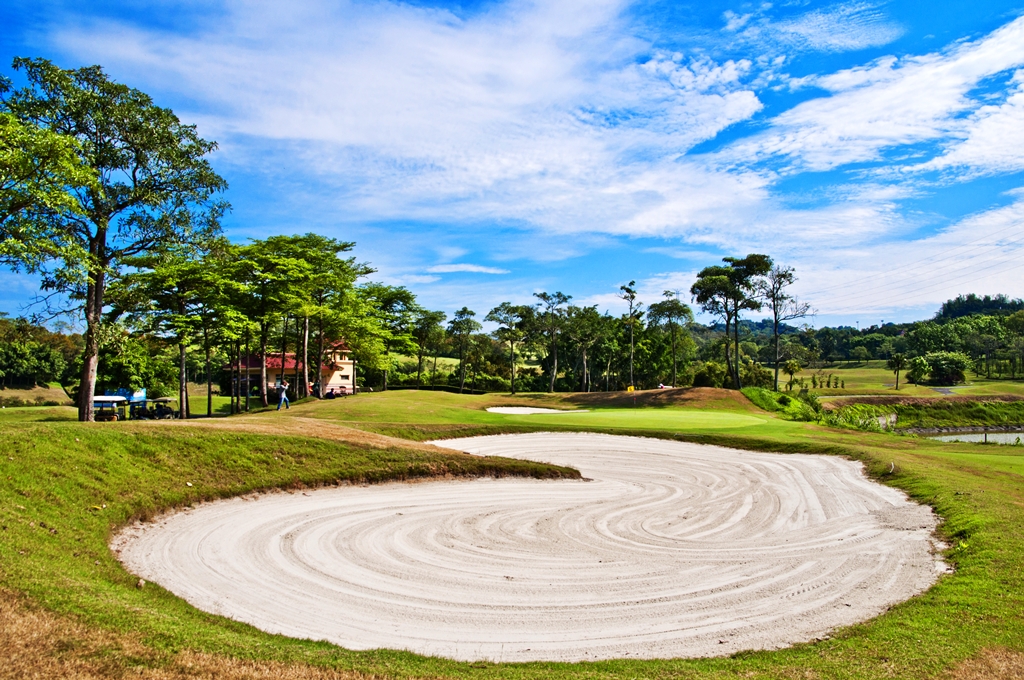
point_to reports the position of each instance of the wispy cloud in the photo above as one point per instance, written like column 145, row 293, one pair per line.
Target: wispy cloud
column 850, row 26
column 886, row 104
column 473, row 268
column 840, row 28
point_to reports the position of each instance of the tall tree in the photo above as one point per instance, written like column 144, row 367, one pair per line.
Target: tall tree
column 896, row 363
column 426, row 328
column 552, row 320
column 164, row 291
column 154, row 187
column 268, row 278
column 671, row 311
column 462, row 326
column 512, row 321
column 783, row 306
column 584, row 326
column 727, row 291
column 628, row 293
column 395, row 309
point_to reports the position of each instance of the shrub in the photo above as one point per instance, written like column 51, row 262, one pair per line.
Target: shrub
column 948, row 368
column 917, row 369
column 756, row 375
column 709, row 374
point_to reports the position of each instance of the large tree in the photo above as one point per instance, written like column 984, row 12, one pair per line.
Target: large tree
column 513, row 321
column 427, row 331
column 727, row 291
column 673, row 313
column 395, row 310
column 154, row 187
column 584, row 327
column 772, row 288
column 268, row 280
column 551, row 321
column 631, row 320
column 462, row 326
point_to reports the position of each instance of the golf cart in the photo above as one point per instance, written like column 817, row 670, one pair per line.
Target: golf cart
column 109, row 408
column 161, row 408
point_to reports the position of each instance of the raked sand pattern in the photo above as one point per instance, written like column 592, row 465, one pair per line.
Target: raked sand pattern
column 669, row 550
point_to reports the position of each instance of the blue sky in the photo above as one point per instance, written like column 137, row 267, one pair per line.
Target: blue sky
column 483, row 151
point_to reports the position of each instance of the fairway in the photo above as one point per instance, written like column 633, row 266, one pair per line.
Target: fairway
column 655, row 419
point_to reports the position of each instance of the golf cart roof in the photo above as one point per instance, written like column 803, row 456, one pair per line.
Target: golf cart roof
column 162, row 400
column 108, row 399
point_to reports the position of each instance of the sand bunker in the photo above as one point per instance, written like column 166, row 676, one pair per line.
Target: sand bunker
column 672, row 549
column 528, row 410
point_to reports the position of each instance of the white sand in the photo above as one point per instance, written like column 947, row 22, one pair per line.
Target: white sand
column 671, row 550
column 529, row 410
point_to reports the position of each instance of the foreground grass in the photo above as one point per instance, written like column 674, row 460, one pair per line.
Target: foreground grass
column 59, row 476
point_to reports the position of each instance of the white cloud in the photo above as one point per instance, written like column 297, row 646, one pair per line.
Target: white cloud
column 980, row 253
column 993, row 139
column 474, row 268
column 840, row 28
column 541, row 114
column 888, row 103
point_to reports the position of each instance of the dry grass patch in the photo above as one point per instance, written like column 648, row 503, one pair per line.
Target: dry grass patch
column 37, row 644
column 991, row 664
column 268, row 424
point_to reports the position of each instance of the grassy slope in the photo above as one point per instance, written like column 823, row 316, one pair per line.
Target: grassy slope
column 52, row 394
column 979, row 490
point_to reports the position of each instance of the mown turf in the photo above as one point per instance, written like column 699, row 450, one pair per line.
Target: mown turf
column 872, row 377
column 57, row 474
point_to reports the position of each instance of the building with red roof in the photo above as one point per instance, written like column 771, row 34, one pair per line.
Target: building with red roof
column 338, row 372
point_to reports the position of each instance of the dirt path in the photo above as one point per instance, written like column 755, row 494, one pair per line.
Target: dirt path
column 672, row 549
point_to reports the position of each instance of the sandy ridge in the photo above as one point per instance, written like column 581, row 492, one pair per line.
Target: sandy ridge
column 673, row 549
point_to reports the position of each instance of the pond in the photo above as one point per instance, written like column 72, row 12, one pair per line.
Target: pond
column 1013, row 438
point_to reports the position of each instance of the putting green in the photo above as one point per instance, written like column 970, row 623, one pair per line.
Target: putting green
column 646, row 419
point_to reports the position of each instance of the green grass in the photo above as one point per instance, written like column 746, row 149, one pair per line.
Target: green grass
column 872, row 377
column 58, row 473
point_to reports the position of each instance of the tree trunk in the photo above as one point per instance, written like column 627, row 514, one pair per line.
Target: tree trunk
column 462, row 366
column 554, row 367
column 284, row 348
column 607, row 374
column 728, row 341
column 585, row 384
column 320, row 358
column 433, row 373
column 419, row 365
column 674, row 383
column 776, row 327
column 91, row 351
column 633, row 384
column 263, row 364
column 248, row 387
column 387, row 365
column 736, row 334
column 182, row 378
column 305, row 356
column 298, row 346
column 209, row 377
column 512, row 363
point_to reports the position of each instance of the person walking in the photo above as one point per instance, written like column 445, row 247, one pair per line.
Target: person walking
column 282, row 395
